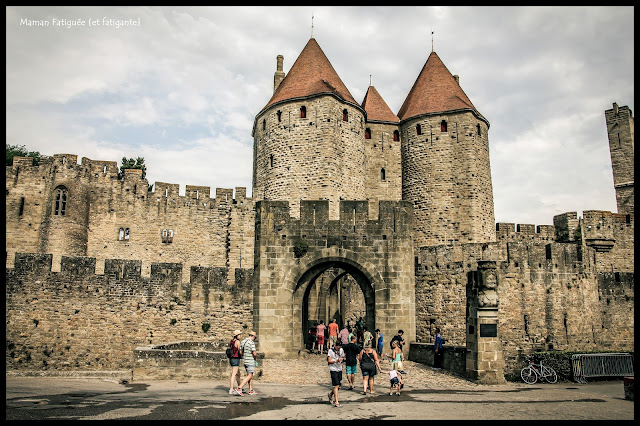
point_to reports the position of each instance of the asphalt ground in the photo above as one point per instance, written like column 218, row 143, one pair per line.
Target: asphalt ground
column 57, row 398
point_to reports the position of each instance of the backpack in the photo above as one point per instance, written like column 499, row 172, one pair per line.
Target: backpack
column 229, row 351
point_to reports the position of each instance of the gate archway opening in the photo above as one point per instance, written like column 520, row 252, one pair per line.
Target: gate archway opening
column 334, row 289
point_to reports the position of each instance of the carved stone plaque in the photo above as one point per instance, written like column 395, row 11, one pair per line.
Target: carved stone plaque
column 488, row 330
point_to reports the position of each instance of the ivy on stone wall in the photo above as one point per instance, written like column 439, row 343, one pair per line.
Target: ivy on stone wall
column 300, row 248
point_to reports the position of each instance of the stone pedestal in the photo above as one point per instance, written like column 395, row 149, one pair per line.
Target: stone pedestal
column 484, row 362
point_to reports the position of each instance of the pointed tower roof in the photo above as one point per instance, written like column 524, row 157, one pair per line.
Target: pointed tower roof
column 311, row 74
column 435, row 91
column 376, row 108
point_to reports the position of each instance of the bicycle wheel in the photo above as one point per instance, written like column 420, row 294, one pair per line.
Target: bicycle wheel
column 549, row 374
column 529, row 376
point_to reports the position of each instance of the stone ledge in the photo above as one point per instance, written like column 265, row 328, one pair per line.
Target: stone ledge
column 76, row 374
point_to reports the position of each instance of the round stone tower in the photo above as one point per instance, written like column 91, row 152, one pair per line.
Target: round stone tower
column 309, row 138
column 445, row 161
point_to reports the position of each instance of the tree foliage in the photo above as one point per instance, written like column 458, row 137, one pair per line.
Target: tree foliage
column 131, row 163
column 21, row 151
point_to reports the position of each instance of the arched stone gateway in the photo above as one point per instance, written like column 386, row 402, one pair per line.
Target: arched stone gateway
column 292, row 254
column 330, row 310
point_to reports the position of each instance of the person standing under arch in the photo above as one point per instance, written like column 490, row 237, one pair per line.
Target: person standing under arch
column 333, row 333
column 367, row 337
column 343, row 336
column 313, row 331
column 320, row 336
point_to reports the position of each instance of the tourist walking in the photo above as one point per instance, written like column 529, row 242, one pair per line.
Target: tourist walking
column 369, row 364
column 359, row 329
column 367, row 337
column 438, row 352
column 234, row 361
column 380, row 342
column 344, row 336
column 335, row 357
column 320, row 336
column 351, row 350
column 395, row 382
column 333, row 333
column 249, row 357
column 396, row 357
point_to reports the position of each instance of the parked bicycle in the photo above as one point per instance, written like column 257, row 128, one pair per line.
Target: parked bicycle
column 532, row 372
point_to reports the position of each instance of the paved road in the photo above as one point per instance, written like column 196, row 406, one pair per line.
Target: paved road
column 31, row 398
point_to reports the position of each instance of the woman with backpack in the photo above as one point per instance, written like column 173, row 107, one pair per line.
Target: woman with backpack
column 369, row 365
column 234, row 360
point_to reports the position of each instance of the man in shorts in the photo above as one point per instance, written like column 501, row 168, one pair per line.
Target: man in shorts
column 351, row 351
column 335, row 357
column 320, row 336
column 333, row 333
column 249, row 356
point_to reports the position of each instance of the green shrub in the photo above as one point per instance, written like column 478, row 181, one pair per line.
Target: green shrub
column 206, row 326
column 300, row 248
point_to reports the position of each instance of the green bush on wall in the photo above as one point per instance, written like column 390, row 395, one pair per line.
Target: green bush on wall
column 300, row 248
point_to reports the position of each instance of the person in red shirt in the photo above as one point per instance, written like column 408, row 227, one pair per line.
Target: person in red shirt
column 333, row 333
column 312, row 336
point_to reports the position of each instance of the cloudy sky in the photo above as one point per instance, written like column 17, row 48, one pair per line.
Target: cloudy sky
column 182, row 89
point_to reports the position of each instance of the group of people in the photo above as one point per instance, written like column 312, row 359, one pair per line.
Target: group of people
column 320, row 333
column 244, row 350
column 352, row 354
column 342, row 348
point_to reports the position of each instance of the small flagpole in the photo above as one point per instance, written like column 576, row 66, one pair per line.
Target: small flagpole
column 431, row 39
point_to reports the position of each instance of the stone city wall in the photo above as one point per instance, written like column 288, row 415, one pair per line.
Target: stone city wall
column 78, row 320
column 204, row 231
column 551, row 297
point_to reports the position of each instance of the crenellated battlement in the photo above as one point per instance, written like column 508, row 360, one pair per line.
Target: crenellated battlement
column 534, row 254
column 395, row 218
column 522, row 232
column 79, row 268
column 95, row 171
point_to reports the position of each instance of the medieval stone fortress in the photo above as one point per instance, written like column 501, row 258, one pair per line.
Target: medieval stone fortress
column 355, row 211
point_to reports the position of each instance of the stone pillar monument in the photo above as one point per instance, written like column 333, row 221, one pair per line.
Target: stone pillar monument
column 484, row 353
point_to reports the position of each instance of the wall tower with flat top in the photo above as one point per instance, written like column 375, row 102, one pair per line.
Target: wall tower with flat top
column 620, row 131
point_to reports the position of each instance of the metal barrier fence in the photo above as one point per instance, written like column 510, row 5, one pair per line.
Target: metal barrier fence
column 601, row 365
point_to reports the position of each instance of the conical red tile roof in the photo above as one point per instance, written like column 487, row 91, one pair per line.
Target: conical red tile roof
column 311, row 74
column 376, row 108
column 434, row 91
